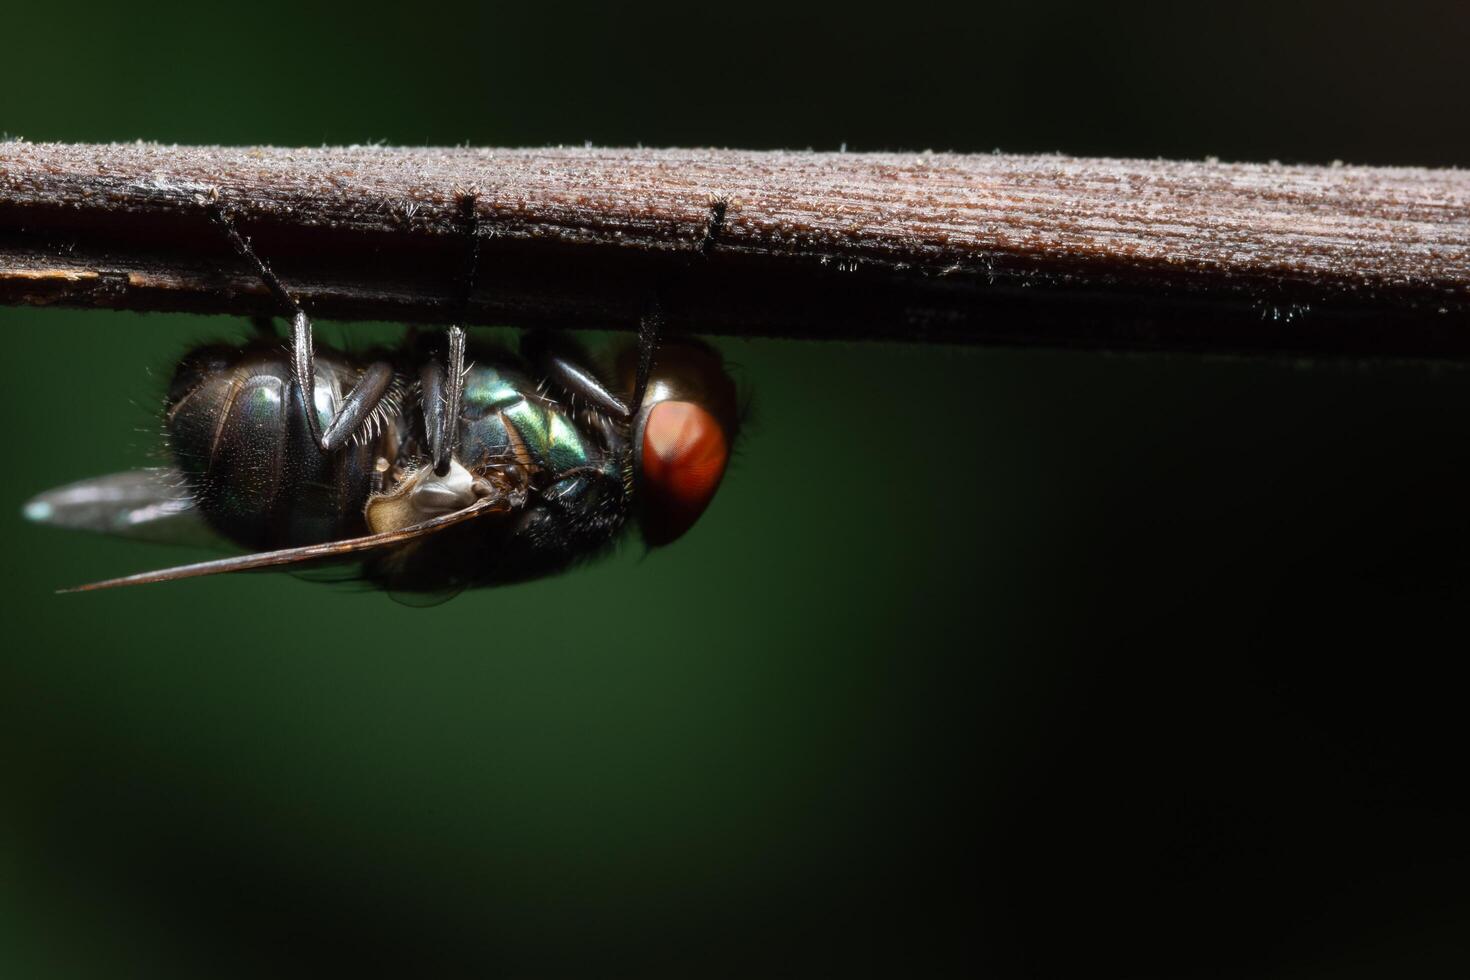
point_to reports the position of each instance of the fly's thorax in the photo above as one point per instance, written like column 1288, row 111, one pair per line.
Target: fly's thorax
column 507, row 419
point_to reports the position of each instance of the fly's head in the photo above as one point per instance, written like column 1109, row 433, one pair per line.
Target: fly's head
column 682, row 435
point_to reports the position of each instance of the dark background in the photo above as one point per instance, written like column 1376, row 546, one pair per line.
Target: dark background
column 1043, row 663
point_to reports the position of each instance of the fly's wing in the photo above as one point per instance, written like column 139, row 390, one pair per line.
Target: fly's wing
column 149, row 505
column 331, row 551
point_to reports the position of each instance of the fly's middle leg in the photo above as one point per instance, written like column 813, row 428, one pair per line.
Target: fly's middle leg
column 442, row 396
column 441, row 386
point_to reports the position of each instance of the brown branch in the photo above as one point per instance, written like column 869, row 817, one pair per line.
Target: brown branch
column 1045, row 250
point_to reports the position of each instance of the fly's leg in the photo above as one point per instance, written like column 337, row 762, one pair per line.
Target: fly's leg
column 443, row 391
column 363, row 397
column 357, row 406
column 650, row 326
column 569, row 375
column 442, row 397
column 577, row 381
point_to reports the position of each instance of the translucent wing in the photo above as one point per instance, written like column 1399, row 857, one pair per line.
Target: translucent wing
column 327, row 552
column 150, row 505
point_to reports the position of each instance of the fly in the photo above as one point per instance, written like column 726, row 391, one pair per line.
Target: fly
column 431, row 470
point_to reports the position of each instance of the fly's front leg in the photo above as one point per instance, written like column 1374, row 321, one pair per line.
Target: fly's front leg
column 651, row 324
column 650, row 327
column 572, row 377
column 365, row 394
column 566, row 373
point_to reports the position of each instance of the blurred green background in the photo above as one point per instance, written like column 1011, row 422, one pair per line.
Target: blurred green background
column 1033, row 662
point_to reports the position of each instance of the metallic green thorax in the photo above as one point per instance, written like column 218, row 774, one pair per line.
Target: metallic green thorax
column 577, row 503
column 497, row 400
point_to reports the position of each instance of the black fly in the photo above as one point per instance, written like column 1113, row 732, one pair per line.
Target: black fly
column 431, row 467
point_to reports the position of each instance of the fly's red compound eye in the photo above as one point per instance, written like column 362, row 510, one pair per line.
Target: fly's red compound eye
column 684, row 457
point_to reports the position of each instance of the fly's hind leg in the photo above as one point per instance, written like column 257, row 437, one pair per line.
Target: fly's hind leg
column 365, row 394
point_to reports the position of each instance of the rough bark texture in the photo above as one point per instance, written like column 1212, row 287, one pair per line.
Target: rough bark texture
column 1025, row 249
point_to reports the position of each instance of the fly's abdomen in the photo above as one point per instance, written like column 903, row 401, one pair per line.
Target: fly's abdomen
column 237, row 432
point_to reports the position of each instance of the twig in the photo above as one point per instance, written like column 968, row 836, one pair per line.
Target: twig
column 1033, row 249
